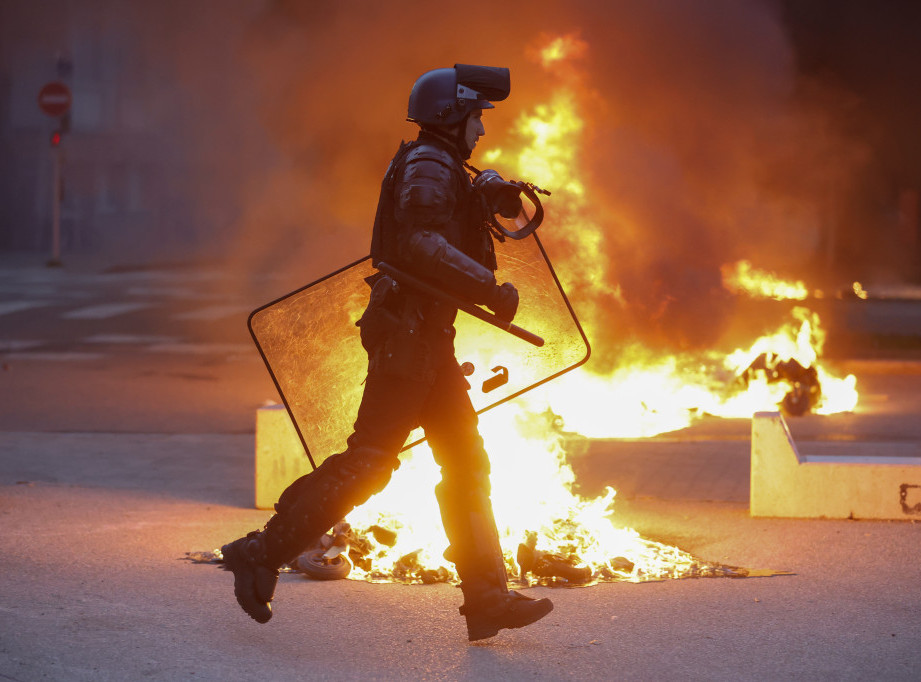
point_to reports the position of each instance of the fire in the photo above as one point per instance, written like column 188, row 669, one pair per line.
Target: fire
column 536, row 510
column 804, row 345
column 650, row 395
column 562, row 49
column 549, row 158
column 529, row 454
column 742, row 277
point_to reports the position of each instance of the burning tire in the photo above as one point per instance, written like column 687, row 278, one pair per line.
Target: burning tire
column 315, row 565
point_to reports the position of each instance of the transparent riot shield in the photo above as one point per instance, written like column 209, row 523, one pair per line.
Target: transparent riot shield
column 311, row 346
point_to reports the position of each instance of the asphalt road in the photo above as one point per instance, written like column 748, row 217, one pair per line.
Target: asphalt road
column 126, row 441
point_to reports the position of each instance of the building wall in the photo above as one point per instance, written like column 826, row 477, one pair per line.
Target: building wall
column 121, row 166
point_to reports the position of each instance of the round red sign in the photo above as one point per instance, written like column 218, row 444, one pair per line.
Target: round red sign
column 54, row 99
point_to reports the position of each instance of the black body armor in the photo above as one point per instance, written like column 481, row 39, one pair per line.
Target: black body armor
column 430, row 222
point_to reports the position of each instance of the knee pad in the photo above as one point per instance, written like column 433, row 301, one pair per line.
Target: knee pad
column 354, row 474
column 363, row 470
column 298, row 489
column 463, row 458
column 463, row 486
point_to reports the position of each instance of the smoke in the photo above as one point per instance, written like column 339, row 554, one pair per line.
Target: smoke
column 699, row 154
column 276, row 119
column 282, row 116
column 696, row 152
column 331, row 86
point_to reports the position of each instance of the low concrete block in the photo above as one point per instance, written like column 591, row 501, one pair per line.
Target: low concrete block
column 862, row 481
column 280, row 456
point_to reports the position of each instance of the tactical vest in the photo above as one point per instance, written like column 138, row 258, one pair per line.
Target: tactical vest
column 466, row 229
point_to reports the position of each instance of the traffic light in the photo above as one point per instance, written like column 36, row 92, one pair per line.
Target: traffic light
column 56, row 138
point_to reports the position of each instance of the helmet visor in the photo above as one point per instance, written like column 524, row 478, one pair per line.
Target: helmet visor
column 492, row 83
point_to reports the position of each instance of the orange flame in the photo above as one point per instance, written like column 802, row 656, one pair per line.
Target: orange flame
column 742, row 277
column 528, row 454
column 646, row 395
column 562, row 49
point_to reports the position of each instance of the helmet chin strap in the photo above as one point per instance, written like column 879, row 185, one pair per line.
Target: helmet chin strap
column 462, row 147
column 458, row 139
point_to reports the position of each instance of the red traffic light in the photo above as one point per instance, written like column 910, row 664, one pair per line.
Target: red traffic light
column 55, row 138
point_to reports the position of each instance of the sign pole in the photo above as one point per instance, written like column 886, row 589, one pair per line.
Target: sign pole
column 55, row 207
column 54, row 99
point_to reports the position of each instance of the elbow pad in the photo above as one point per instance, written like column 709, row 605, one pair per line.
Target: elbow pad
column 434, row 258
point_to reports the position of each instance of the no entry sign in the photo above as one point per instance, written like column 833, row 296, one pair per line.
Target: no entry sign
column 54, row 99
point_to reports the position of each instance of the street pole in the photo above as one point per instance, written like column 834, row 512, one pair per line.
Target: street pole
column 54, row 99
column 55, row 207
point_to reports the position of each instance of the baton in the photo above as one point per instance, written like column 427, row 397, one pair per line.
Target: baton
column 469, row 308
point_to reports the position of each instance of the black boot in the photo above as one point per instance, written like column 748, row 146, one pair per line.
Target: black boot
column 306, row 510
column 477, row 556
column 254, row 578
column 256, row 558
column 485, row 617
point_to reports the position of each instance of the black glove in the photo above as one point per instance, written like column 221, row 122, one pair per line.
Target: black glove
column 504, row 301
column 502, row 197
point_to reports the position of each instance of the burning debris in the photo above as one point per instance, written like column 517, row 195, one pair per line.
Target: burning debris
column 797, row 367
column 805, row 391
column 784, row 368
column 549, row 567
column 336, row 552
column 329, row 558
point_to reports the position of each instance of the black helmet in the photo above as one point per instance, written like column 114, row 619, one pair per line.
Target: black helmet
column 443, row 97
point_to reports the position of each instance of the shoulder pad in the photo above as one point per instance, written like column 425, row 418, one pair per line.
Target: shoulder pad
column 427, row 188
column 430, row 152
column 429, row 165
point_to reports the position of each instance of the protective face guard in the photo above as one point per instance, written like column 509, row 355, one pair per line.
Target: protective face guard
column 311, row 346
column 492, row 83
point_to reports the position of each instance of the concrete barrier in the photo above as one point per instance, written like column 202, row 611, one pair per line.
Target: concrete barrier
column 860, row 480
column 280, row 456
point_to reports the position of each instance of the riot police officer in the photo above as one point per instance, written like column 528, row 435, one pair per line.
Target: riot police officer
column 432, row 223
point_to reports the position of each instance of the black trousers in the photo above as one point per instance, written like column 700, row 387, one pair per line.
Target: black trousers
column 391, row 407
